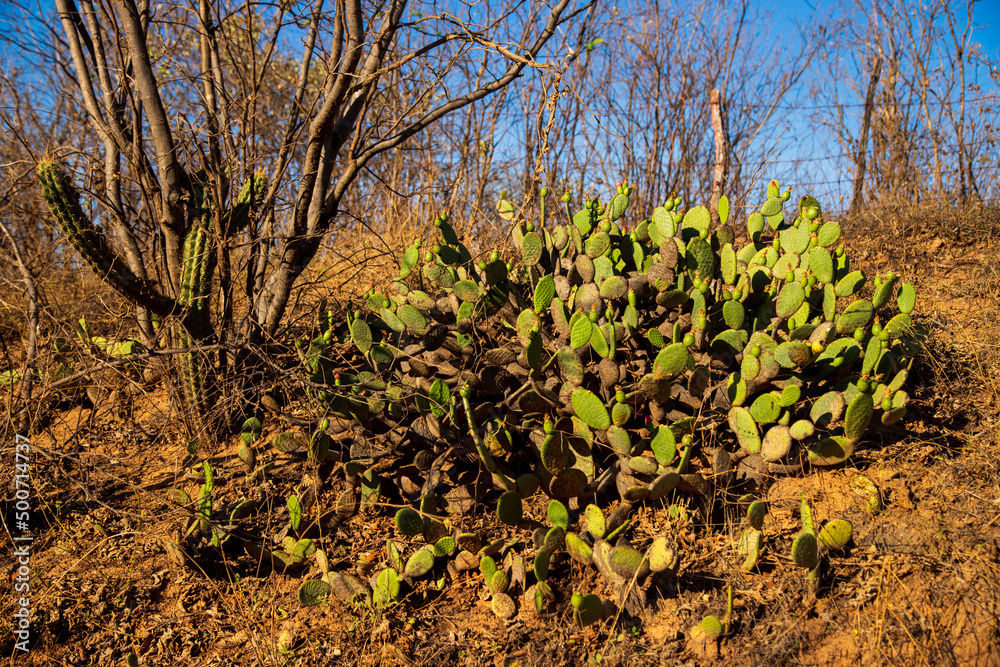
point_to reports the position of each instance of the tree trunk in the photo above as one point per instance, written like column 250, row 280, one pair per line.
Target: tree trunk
column 860, row 159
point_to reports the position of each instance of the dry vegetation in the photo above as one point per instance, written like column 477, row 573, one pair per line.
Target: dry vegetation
column 917, row 586
column 919, row 583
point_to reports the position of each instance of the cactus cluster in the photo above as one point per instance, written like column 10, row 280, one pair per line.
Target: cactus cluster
column 192, row 302
column 604, row 363
column 608, row 355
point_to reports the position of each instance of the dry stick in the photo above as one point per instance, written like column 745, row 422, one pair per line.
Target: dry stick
column 28, row 369
column 721, row 152
column 861, row 160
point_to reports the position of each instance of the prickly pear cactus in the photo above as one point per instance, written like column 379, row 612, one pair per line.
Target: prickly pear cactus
column 601, row 356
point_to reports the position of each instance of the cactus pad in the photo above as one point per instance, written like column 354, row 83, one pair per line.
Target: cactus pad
column 805, row 550
column 835, row 534
column 503, row 606
column 509, row 508
column 587, row 609
column 590, row 409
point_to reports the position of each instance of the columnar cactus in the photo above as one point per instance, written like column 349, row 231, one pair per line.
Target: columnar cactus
column 193, row 300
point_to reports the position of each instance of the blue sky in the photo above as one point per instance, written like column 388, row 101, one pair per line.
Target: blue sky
column 828, row 177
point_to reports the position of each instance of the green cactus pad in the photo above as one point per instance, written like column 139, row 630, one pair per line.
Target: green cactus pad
column 858, row 416
column 898, row 325
column 554, row 453
column 579, row 550
column 850, row 284
column 488, row 566
column 872, row 352
column 793, row 354
column 541, row 565
column 709, row 630
column 621, row 413
column 420, row 300
column 412, row 318
column 615, row 287
column 505, row 210
column 728, row 264
column 526, row 320
column 419, row 564
column 828, row 234
column 701, row 259
column 499, row 582
column 766, row 409
column 776, row 444
column 785, row 265
column 805, row 550
column 884, row 292
column 252, row 428
column 597, row 244
column 755, row 226
column 570, row 366
column 906, row 299
column 558, row 514
column 898, row 409
column 663, row 484
column 733, row 313
column 532, row 248
column 554, row 539
column 664, row 445
column 594, row 522
column 467, row 291
column 789, row 300
column 821, row 264
column 790, row 396
column 802, row 429
column 840, row 353
column 590, row 409
column 580, row 330
column 830, row 451
column 626, row 561
column 855, row 316
column 642, row 465
column 545, row 290
column 444, row 547
column 771, row 207
column 835, row 534
column 745, row 427
column 756, row 513
column 599, row 341
column 509, row 508
column 620, row 440
column 661, row 556
column 671, row 361
column 386, row 589
column 587, row 609
column 749, row 369
column 313, row 592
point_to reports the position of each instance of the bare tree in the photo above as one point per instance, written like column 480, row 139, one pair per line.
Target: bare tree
column 186, row 101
